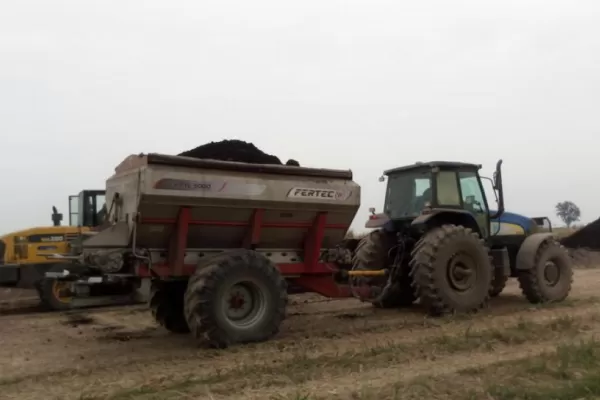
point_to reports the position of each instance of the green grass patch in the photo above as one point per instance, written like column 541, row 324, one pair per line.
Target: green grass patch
column 571, row 372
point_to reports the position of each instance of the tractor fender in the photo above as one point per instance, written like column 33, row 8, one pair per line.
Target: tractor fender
column 529, row 248
column 438, row 217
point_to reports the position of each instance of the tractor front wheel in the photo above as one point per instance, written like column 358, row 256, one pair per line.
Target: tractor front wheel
column 550, row 277
column 236, row 297
column 452, row 270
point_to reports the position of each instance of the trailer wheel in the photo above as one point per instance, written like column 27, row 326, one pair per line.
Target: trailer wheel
column 550, row 277
column 452, row 270
column 235, row 297
column 166, row 303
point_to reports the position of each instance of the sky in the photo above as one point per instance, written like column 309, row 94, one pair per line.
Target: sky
column 360, row 85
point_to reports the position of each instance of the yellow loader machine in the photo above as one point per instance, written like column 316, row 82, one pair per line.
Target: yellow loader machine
column 27, row 255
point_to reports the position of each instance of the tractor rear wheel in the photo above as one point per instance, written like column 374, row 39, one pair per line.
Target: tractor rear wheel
column 550, row 277
column 372, row 254
column 452, row 270
column 235, row 297
column 166, row 304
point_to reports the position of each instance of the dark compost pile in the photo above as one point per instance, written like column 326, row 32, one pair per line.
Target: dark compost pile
column 234, row 150
column 586, row 237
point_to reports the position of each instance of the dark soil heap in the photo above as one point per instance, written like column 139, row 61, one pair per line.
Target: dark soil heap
column 232, row 150
column 586, row 237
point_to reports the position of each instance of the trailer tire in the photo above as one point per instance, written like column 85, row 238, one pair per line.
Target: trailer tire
column 442, row 265
column 534, row 280
column 166, row 304
column 218, row 292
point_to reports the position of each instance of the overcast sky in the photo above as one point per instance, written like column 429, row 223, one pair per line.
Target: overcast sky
column 361, row 85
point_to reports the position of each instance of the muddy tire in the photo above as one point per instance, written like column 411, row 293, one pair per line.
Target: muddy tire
column 452, row 270
column 166, row 304
column 498, row 282
column 372, row 254
column 400, row 294
column 235, row 297
column 54, row 294
column 550, row 277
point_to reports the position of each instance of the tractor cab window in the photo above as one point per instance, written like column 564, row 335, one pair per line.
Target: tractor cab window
column 88, row 208
column 100, row 208
column 407, row 193
column 74, row 210
column 447, row 189
column 472, row 192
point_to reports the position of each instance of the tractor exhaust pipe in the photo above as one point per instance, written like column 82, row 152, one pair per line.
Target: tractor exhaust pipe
column 498, row 188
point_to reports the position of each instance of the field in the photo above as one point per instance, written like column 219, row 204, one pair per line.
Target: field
column 339, row 349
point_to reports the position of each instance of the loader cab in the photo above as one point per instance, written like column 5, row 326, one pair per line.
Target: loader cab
column 87, row 208
column 439, row 192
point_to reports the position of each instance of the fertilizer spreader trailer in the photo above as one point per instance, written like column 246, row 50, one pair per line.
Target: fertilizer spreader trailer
column 225, row 242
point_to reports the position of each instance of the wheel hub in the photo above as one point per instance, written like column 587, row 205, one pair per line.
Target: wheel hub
column 551, row 273
column 243, row 303
column 62, row 291
column 461, row 272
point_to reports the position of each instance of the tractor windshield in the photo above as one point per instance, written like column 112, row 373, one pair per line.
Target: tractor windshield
column 407, row 193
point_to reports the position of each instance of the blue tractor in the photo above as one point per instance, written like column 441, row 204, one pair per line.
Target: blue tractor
column 438, row 241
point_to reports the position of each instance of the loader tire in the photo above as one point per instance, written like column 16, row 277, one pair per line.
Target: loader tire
column 236, row 297
column 452, row 270
column 54, row 294
column 166, row 304
column 550, row 277
column 372, row 254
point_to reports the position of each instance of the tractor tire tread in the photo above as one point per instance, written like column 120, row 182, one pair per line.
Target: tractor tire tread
column 423, row 268
column 529, row 281
column 166, row 305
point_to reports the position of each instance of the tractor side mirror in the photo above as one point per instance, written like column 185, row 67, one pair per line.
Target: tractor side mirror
column 372, row 210
column 381, row 178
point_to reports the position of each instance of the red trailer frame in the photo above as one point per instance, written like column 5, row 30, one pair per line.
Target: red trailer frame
column 314, row 275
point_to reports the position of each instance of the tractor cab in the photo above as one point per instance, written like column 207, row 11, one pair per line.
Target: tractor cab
column 87, row 208
column 435, row 193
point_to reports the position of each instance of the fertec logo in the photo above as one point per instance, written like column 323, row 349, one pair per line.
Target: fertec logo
column 321, row 194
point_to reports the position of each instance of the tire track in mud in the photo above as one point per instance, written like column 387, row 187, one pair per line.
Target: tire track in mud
column 127, row 372
column 304, row 371
column 350, row 386
column 85, row 357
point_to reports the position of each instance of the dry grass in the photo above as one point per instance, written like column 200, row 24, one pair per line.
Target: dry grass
column 326, row 350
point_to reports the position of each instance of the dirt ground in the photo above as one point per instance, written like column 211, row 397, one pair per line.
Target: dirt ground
column 338, row 349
